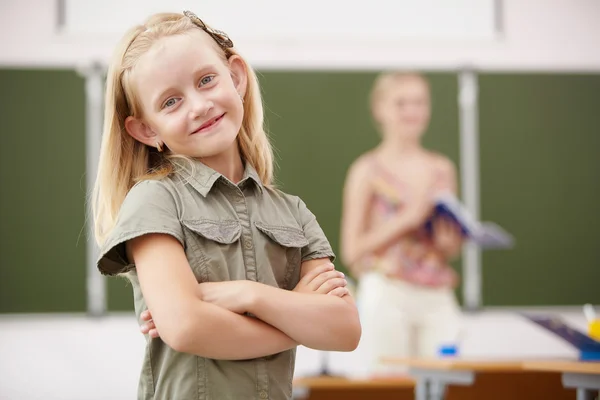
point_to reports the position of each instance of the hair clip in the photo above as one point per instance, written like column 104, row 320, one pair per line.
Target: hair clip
column 219, row 36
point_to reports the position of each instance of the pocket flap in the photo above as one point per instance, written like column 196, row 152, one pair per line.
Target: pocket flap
column 225, row 232
column 286, row 236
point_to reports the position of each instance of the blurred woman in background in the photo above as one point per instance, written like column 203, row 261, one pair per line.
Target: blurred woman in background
column 405, row 297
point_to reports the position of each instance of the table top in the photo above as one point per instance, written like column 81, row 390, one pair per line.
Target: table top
column 334, row 382
column 460, row 364
column 572, row 366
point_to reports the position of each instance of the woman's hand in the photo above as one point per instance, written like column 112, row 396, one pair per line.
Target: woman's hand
column 447, row 236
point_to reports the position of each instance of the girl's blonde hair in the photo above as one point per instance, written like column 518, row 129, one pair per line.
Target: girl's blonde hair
column 125, row 161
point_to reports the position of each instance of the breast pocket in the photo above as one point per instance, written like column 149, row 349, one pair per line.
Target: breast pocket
column 282, row 246
column 213, row 249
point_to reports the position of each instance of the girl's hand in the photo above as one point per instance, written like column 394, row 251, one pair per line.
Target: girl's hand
column 147, row 325
column 234, row 296
column 324, row 279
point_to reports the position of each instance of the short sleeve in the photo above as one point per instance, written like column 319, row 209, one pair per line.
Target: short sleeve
column 318, row 245
column 149, row 207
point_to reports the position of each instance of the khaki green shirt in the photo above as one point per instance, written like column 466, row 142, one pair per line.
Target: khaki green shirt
column 229, row 232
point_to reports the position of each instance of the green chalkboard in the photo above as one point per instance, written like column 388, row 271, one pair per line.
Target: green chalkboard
column 540, row 176
column 42, row 181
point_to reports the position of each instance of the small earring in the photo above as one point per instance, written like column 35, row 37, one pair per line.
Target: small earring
column 159, row 147
column 241, row 97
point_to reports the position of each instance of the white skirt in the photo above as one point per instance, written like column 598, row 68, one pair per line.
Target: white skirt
column 402, row 320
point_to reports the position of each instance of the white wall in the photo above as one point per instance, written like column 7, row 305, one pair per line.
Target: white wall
column 71, row 357
column 310, row 20
column 539, row 35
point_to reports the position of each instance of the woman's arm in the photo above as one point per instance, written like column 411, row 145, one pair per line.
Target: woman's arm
column 447, row 237
column 356, row 240
column 186, row 323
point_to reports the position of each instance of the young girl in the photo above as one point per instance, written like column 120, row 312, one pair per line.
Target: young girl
column 406, row 299
column 234, row 272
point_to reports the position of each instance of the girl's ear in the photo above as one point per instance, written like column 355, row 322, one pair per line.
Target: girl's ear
column 239, row 74
column 141, row 132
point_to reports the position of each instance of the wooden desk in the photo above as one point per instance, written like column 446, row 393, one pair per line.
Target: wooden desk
column 584, row 376
column 496, row 379
column 331, row 388
column 461, row 364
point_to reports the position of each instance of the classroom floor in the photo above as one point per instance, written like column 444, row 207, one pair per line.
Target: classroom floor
column 73, row 357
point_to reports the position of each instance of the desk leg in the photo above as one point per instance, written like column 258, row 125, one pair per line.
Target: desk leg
column 422, row 389
column 586, row 394
column 587, row 385
column 437, row 390
column 429, row 389
column 431, row 384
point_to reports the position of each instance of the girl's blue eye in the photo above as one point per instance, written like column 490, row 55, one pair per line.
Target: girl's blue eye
column 206, row 80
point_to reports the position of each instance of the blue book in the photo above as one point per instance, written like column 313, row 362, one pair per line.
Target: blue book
column 587, row 346
column 487, row 235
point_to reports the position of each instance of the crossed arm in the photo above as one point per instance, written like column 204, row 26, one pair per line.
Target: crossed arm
column 208, row 319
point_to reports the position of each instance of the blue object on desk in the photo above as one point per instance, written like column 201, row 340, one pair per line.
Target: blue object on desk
column 589, row 356
column 448, row 350
column 589, row 349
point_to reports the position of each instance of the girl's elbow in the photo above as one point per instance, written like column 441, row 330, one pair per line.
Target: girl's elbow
column 348, row 341
column 179, row 331
column 178, row 337
column 353, row 336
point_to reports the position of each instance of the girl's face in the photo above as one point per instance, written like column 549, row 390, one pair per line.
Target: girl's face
column 190, row 97
column 404, row 108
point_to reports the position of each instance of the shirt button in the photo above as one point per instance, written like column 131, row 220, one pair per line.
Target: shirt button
column 263, row 394
column 248, row 245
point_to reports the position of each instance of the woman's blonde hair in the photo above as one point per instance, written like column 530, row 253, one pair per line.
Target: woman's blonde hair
column 125, row 161
column 386, row 80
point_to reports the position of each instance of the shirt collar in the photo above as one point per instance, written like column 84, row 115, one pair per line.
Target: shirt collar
column 203, row 178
